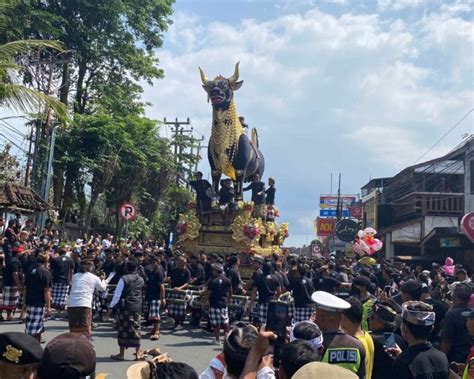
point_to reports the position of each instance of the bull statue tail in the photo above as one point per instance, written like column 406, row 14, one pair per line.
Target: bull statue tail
column 254, row 142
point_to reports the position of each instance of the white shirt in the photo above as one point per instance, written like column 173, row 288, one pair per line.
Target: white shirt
column 82, row 289
column 117, row 293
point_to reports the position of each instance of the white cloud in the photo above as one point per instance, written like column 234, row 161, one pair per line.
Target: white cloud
column 357, row 93
column 384, row 5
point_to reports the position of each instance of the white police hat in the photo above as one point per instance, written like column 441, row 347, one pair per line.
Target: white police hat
column 328, row 302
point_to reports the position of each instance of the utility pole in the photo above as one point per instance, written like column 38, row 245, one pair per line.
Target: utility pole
column 28, row 159
column 339, row 205
column 177, row 128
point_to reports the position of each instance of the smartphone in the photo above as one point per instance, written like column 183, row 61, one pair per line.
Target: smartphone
column 387, row 290
column 277, row 317
column 389, row 340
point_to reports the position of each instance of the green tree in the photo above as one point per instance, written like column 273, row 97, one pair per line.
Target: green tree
column 9, row 165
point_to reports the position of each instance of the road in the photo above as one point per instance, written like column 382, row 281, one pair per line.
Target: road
column 190, row 345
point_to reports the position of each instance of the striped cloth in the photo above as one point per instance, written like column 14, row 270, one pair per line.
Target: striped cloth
column 303, row 314
column 34, row 323
column 218, row 316
column 154, row 310
column 9, row 298
column 59, row 295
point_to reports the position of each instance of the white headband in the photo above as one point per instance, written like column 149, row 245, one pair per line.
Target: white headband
column 316, row 342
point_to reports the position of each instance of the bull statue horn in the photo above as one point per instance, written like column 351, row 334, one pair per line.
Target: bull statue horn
column 235, row 75
column 204, row 78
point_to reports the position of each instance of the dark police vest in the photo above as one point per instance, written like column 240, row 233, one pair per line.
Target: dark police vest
column 131, row 298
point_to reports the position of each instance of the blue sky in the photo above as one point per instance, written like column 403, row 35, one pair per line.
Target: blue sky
column 360, row 88
column 363, row 88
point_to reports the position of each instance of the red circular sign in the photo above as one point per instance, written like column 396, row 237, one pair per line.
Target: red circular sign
column 128, row 212
column 467, row 226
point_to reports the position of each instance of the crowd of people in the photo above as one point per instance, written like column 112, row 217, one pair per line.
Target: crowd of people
column 295, row 317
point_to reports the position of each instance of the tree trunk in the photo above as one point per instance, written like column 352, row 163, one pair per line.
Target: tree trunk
column 78, row 104
column 58, row 185
column 90, row 210
column 64, row 88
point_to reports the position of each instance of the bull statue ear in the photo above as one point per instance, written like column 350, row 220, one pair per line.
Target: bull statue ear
column 235, row 86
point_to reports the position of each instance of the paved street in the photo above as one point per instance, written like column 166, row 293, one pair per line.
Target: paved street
column 190, row 345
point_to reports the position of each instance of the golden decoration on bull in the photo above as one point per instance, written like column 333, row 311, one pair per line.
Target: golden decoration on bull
column 188, row 226
column 283, row 233
column 245, row 228
column 225, row 138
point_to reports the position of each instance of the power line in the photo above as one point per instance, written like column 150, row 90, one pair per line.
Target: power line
column 446, row 134
column 13, row 143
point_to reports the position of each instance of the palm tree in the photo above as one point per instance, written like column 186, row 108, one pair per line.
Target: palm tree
column 16, row 96
column 12, row 94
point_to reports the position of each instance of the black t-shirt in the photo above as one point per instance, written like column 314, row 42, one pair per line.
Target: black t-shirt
column 267, row 287
column 327, row 284
column 154, row 280
column 234, row 276
column 197, row 273
column 61, row 267
column 207, row 271
column 270, row 192
column 256, row 276
column 302, row 289
column 440, row 310
column 179, row 277
column 108, row 266
column 421, row 361
column 256, row 189
column 37, row 280
column 455, row 330
column 382, row 361
column 220, row 288
column 12, row 266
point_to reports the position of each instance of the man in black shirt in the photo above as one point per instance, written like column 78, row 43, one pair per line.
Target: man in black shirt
column 268, row 288
column 258, row 196
column 455, row 339
column 196, row 270
column 203, row 193
column 420, row 360
column 233, row 273
column 37, row 297
column 179, row 282
column 226, row 195
column 62, row 269
column 382, row 320
column 155, row 294
column 302, row 289
column 219, row 292
column 12, row 284
column 270, row 192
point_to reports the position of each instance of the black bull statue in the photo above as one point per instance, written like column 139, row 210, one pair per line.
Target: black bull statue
column 230, row 151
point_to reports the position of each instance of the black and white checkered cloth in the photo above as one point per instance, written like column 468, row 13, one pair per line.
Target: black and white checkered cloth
column 59, row 295
column 96, row 301
column 34, row 323
column 154, row 310
column 218, row 316
column 262, row 312
column 9, row 298
column 303, row 314
column 174, row 309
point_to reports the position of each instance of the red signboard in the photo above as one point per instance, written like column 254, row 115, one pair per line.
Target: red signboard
column 356, row 211
column 467, row 226
column 325, row 226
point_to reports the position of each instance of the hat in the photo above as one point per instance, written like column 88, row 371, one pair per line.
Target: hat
column 19, row 348
column 384, row 311
column 258, row 259
column 66, row 353
column 218, row 267
column 469, row 314
column 418, row 317
column 142, row 370
column 328, row 302
column 361, row 280
column 323, row 370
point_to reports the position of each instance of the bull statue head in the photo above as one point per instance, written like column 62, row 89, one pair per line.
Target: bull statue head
column 221, row 90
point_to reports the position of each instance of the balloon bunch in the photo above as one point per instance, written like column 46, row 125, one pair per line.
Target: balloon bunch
column 366, row 243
